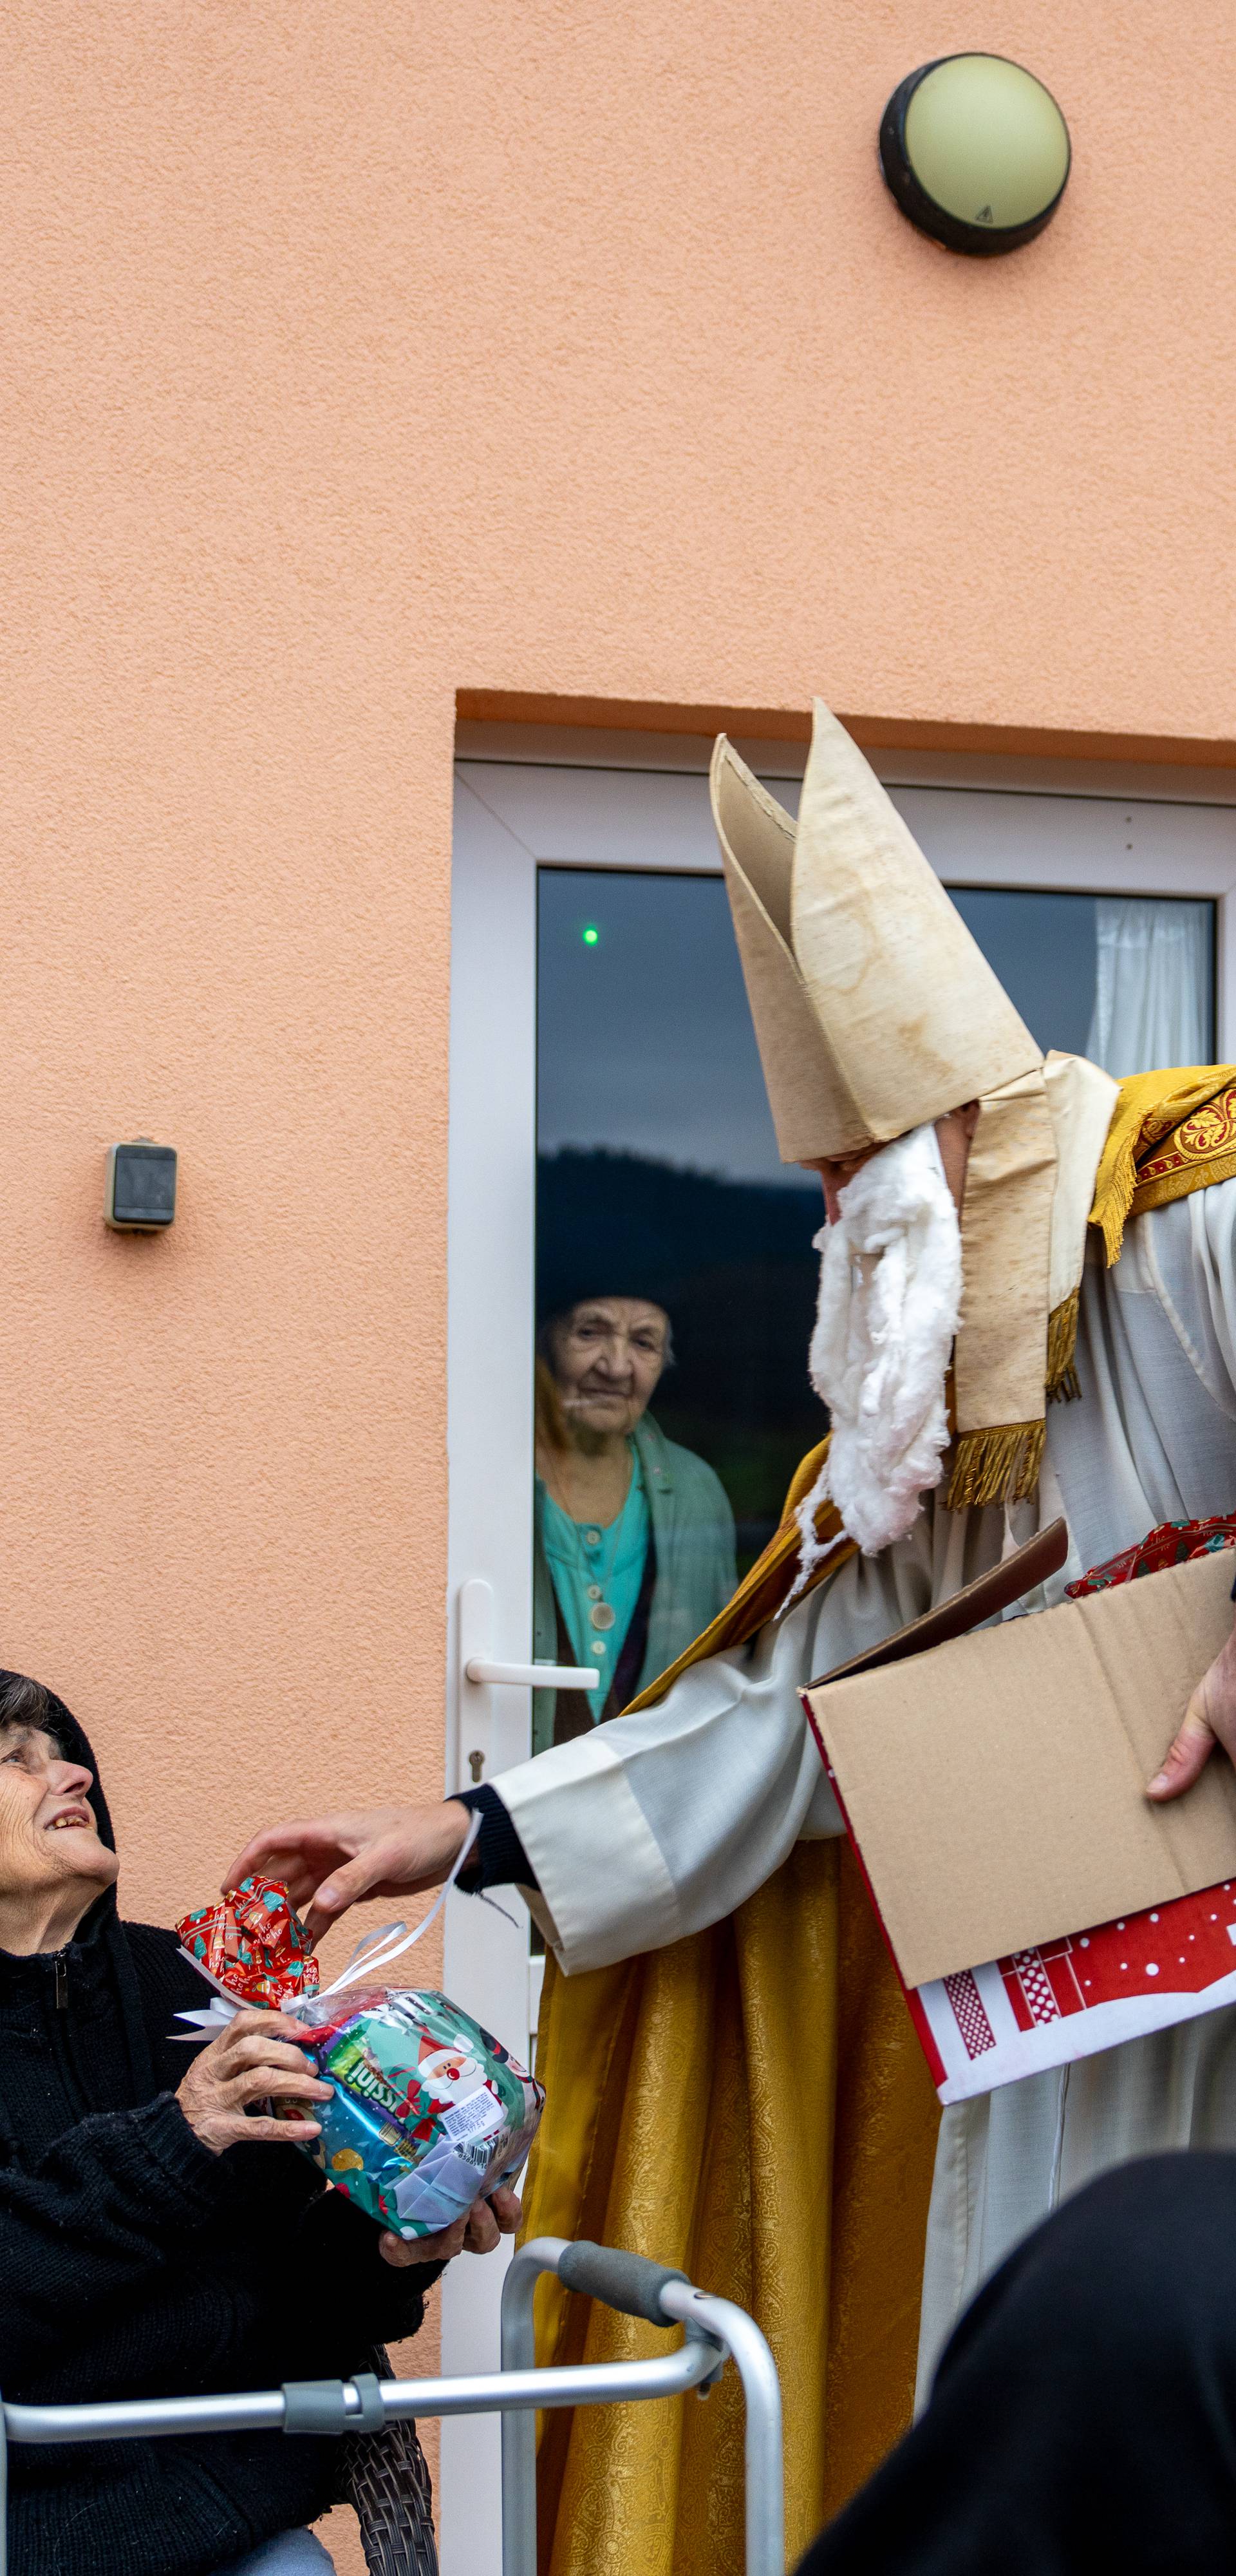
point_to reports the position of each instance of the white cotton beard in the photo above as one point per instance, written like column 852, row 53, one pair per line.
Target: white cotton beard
column 890, row 1299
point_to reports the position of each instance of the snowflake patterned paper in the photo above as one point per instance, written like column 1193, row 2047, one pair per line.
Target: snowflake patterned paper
column 1012, row 2017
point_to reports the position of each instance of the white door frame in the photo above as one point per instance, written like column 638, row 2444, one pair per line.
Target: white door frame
column 490, row 1286
column 511, row 818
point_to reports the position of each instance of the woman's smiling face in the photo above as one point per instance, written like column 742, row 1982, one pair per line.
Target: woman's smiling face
column 607, row 1355
column 49, row 1838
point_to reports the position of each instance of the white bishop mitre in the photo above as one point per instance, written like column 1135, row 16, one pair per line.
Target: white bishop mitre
column 875, row 1012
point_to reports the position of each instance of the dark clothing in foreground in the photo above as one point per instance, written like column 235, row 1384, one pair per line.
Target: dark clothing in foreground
column 1084, row 2413
column 133, row 2262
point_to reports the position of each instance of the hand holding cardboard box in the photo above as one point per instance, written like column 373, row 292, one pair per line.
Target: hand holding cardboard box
column 995, row 1787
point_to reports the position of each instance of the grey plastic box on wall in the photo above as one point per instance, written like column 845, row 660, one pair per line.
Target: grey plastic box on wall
column 140, row 1195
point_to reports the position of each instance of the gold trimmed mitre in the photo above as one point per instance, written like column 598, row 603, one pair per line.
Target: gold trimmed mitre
column 874, row 1008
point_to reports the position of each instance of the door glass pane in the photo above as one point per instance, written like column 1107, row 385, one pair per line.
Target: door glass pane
column 662, row 1208
column 676, row 1275
column 1125, row 980
column 1043, row 948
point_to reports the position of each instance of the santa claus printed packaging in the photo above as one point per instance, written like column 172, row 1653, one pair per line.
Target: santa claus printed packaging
column 428, row 2113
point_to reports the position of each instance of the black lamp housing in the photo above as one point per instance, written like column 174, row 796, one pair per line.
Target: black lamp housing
column 978, row 240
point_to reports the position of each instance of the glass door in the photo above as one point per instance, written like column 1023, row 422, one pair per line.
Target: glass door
column 659, row 1185
column 632, row 1278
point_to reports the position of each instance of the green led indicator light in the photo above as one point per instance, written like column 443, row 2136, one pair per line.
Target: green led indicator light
column 592, row 936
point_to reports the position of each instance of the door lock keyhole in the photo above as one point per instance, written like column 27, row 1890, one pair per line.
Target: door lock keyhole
column 476, row 1764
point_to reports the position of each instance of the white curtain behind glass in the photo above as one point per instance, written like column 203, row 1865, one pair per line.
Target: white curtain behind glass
column 1152, row 987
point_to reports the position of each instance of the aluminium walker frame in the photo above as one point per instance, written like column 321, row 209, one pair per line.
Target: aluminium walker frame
column 715, row 2331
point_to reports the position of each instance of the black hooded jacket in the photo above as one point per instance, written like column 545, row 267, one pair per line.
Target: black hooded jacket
column 133, row 2262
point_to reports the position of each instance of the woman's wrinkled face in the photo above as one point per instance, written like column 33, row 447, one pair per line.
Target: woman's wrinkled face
column 48, row 1833
column 607, row 1356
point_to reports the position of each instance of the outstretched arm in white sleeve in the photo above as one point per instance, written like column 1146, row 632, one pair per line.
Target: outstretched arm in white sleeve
column 654, row 1825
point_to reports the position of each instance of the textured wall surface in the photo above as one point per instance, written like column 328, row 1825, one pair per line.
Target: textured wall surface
column 355, row 354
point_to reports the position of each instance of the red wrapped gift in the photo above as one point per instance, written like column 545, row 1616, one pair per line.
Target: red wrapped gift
column 1169, row 1543
column 252, row 1946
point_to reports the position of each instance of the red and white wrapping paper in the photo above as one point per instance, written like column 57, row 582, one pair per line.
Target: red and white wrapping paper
column 1090, row 1990
column 987, row 2026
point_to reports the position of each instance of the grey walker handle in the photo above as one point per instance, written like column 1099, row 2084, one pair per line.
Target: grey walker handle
column 713, row 2329
column 628, row 2282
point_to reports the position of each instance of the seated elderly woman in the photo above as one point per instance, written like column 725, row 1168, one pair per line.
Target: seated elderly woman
column 158, row 2234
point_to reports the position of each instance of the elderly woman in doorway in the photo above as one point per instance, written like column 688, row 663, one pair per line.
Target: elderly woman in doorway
column 158, row 2233
column 634, row 1550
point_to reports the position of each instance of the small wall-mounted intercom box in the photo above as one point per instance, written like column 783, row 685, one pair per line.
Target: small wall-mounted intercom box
column 140, row 1196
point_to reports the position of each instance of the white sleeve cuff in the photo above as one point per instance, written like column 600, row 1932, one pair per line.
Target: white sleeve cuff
column 600, row 1869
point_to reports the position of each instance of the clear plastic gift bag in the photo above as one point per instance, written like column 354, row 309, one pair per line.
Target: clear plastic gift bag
column 428, row 2114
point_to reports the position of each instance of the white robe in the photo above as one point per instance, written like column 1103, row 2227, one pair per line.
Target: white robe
column 659, row 1824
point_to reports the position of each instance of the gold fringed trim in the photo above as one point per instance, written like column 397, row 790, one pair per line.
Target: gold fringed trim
column 997, row 1466
column 1118, row 1172
column 1062, row 1379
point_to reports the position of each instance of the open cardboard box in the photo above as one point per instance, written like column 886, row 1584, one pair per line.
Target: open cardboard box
column 994, row 1786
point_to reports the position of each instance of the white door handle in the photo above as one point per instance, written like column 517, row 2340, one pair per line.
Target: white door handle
column 533, row 1676
column 476, row 1612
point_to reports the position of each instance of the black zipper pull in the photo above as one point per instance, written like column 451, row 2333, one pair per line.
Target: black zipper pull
column 62, row 1982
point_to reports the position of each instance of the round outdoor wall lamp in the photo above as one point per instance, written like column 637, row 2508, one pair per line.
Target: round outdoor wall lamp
column 976, row 152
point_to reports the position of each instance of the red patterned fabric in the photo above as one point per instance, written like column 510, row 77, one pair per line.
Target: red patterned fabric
column 1171, row 1543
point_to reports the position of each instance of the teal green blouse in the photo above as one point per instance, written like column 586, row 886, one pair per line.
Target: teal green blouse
column 594, row 1568
column 692, row 1529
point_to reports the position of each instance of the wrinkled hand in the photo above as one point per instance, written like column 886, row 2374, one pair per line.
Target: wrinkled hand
column 478, row 2233
column 255, row 2058
column 1209, row 1719
column 331, row 1862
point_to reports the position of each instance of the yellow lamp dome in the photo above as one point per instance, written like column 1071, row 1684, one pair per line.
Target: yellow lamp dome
column 976, row 152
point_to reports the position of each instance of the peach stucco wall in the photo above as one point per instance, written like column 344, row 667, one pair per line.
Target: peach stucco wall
column 357, row 352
